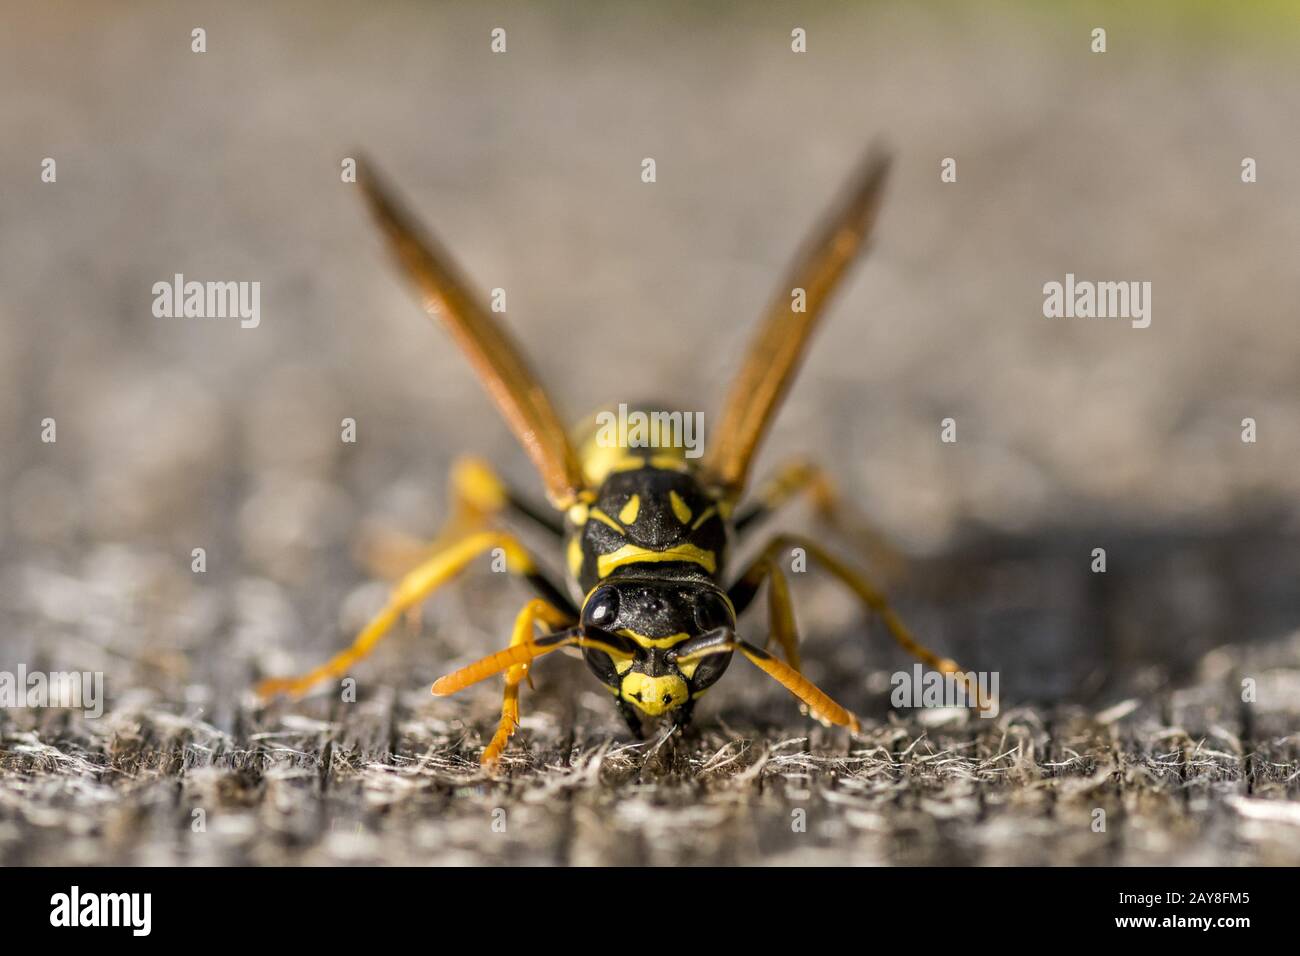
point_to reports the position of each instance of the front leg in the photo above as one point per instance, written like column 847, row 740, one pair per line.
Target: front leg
column 535, row 611
column 415, row 587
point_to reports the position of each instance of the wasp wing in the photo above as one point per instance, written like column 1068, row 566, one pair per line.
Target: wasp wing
column 776, row 351
column 497, row 360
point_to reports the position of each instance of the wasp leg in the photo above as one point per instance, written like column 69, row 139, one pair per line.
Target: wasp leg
column 478, row 497
column 536, row 611
column 413, row 588
column 523, row 650
column 799, row 478
column 780, row 609
column 724, row 641
column 858, row 583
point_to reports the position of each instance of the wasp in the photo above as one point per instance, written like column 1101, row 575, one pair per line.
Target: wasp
column 645, row 532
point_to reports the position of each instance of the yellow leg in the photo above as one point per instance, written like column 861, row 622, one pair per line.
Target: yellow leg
column 514, row 660
column 818, row 702
column 858, row 583
column 618, row 647
column 535, row 611
column 477, row 496
column 793, row 479
column 417, row 585
column 800, row 478
column 780, row 608
column 780, row 616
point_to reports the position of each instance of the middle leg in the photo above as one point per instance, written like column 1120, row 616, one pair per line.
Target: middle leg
column 780, row 609
column 742, row 593
column 436, row 570
column 800, row 478
column 536, row 611
column 478, row 498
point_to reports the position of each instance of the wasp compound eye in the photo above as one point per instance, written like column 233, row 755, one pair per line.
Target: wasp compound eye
column 711, row 612
column 602, row 609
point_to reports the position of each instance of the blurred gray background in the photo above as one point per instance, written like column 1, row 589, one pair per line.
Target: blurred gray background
column 1072, row 433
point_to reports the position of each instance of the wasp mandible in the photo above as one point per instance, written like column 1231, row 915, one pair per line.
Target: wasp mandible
column 644, row 532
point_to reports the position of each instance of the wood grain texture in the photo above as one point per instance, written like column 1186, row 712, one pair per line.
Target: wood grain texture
column 1185, row 772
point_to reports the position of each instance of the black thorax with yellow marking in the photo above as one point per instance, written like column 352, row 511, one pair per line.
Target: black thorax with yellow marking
column 647, row 514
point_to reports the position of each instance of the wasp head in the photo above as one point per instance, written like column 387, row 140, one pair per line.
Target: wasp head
column 654, row 621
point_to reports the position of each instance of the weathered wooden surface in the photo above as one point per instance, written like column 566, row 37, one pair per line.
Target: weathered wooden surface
column 178, row 434
column 1184, row 772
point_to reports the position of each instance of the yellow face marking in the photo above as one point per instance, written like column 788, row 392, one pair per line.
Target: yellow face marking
column 705, row 515
column 672, row 640
column 654, row 695
column 632, row 554
column 680, row 508
column 606, row 519
column 630, row 510
column 574, row 556
column 622, row 667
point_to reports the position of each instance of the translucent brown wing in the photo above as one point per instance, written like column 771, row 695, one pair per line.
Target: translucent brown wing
column 497, row 360
column 776, row 351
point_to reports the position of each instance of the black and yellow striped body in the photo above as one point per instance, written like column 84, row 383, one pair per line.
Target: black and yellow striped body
column 647, row 553
column 646, row 530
